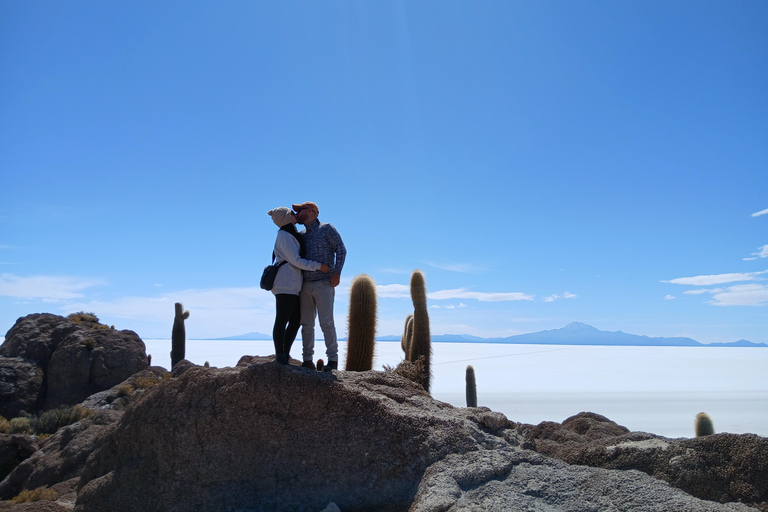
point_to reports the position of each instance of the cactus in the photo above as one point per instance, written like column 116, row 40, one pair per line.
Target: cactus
column 178, row 335
column 420, row 343
column 703, row 425
column 149, row 359
column 405, row 341
column 362, row 324
column 471, row 387
column 320, row 365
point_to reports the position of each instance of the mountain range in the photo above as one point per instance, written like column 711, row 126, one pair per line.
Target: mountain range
column 575, row 333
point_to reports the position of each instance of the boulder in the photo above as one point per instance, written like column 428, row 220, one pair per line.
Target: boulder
column 76, row 359
column 14, row 448
column 720, row 467
column 513, row 479
column 21, row 386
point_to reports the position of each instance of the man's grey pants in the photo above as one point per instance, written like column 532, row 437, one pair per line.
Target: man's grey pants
column 316, row 300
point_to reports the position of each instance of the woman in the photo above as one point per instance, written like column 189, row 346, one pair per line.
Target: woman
column 289, row 247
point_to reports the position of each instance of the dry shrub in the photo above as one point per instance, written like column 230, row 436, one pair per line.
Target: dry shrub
column 41, row 493
column 125, row 390
column 5, row 426
column 144, row 382
column 411, row 370
column 21, row 426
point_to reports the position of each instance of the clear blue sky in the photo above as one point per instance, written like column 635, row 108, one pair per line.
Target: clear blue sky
column 542, row 162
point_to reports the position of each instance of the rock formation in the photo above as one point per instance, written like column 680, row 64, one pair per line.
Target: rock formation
column 48, row 361
column 263, row 436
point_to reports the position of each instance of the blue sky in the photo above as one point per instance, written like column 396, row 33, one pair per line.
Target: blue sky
column 542, row 162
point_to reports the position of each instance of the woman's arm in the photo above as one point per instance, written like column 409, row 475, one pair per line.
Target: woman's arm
column 287, row 249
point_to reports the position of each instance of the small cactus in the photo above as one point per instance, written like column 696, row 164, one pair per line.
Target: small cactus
column 178, row 334
column 421, row 344
column 149, row 359
column 362, row 324
column 405, row 341
column 320, row 365
column 703, row 425
column 471, row 387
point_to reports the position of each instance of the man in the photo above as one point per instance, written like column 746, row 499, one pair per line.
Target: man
column 324, row 245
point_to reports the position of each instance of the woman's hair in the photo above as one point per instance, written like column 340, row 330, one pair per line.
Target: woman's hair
column 291, row 228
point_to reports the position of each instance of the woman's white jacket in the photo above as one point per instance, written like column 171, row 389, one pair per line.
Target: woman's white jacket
column 289, row 278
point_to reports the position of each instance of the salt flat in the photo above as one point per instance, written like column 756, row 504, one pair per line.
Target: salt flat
column 651, row 389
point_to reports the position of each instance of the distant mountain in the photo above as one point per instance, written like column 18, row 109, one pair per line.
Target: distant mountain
column 575, row 333
column 247, row 336
column 740, row 343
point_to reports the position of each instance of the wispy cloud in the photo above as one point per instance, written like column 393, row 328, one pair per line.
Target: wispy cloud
column 762, row 252
column 393, row 291
column 463, row 293
column 449, row 306
column 742, row 295
column 216, row 311
column 669, row 297
column 565, row 295
column 709, row 280
column 47, row 288
column 763, row 212
column 464, row 268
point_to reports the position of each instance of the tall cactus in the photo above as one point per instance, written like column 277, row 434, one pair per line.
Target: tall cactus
column 362, row 324
column 471, row 387
column 178, row 335
column 703, row 425
column 421, row 345
column 405, row 341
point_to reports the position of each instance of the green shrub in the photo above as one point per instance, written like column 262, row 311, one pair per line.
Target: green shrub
column 89, row 343
column 21, row 426
column 41, row 493
column 51, row 421
column 144, row 382
column 5, row 426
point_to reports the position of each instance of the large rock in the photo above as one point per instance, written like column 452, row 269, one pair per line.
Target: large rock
column 271, row 437
column 77, row 359
column 21, row 386
column 721, row 467
column 512, row 480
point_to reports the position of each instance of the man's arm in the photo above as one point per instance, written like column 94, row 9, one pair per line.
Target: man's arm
column 341, row 254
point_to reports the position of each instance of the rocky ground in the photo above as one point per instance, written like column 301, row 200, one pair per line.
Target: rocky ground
column 263, row 436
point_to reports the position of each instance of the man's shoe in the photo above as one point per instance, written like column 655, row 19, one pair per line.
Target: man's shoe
column 331, row 365
column 308, row 364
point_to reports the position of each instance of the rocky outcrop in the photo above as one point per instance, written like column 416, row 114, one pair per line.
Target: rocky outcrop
column 264, row 436
column 49, row 361
column 720, row 467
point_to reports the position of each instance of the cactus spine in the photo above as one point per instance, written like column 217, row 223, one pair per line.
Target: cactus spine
column 471, row 387
column 405, row 341
column 178, row 335
column 421, row 345
column 362, row 324
column 704, row 425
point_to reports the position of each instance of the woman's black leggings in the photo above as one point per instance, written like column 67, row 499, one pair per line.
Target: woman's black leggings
column 287, row 321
